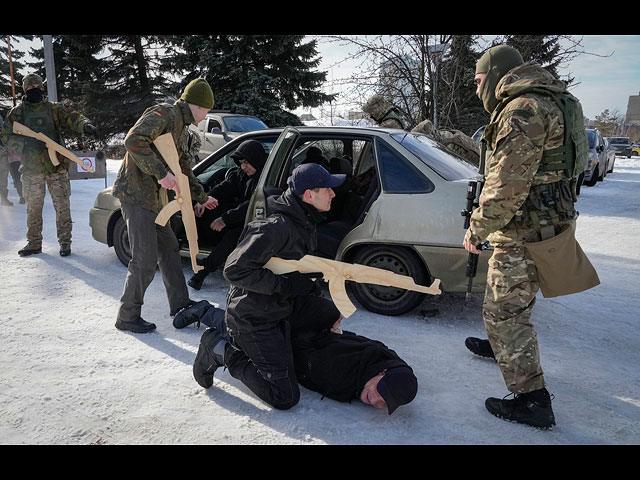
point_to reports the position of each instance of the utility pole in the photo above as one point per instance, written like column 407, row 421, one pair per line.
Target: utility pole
column 49, row 66
column 13, row 84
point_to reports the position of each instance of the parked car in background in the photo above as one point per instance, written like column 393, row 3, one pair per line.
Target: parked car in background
column 399, row 209
column 611, row 154
column 220, row 127
column 597, row 167
column 622, row 146
column 635, row 150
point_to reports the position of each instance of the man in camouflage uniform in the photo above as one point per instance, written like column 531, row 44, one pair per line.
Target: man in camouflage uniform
column 49, row 118
column 385, row 114
column 139, row 186
column 510, row 214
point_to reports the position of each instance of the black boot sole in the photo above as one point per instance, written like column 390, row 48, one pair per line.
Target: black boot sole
column 26, row 253
column 495, row 407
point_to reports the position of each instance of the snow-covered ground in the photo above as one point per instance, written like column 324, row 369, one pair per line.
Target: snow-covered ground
column 68, row 376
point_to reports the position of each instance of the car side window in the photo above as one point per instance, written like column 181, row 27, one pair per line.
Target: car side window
column 398, row 175
column 213, row 124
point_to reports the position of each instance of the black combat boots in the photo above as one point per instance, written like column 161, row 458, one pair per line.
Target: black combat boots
column 479, row 347
column 30, row 249
column 197, row 280
column 191, row 314
column 531, row 408
column 210, row 357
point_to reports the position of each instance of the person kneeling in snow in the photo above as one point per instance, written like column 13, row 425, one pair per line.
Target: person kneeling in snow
column 338, row 364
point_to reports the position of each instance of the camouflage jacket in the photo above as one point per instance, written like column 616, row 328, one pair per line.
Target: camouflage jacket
column 33, row 153
column 142, row 167
column 516, row 139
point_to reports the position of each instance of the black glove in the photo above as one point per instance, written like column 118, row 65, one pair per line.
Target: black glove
column 296, row 283
column 91, row 130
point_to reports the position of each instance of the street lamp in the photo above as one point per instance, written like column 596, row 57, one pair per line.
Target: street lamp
column 436, row 52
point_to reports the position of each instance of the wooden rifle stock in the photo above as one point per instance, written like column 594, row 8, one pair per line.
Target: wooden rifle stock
column 182, row 202
column 335, row 273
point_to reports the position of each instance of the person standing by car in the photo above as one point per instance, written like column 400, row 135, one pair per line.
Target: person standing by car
column 525, row 199
column 222, row 225
column 138, row 187
column 37, row 171
column 338, row 364
column 262, row 307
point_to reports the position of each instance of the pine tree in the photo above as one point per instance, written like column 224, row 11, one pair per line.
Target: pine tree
column 542, row 49
column 261, row 75
column 6, row 90
column 459, row 107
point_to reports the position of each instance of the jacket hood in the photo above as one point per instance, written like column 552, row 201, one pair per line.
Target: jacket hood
column 527, row 76
column 253, row 152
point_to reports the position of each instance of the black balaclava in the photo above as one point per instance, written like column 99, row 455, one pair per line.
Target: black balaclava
column 495, row 62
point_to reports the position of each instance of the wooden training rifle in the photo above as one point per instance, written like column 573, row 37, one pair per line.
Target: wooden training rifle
column 166, row 147
column 52, row 147
column 335, row 273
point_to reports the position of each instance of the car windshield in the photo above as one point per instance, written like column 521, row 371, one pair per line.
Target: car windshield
column 619, row 141
column 592, row 138
column 243, row 124
column 445, row 163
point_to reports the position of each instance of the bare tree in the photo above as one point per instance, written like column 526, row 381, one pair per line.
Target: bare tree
column 407, row 69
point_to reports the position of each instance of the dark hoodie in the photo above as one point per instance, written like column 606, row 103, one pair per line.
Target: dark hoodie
column 238, row 187
column 256, row 298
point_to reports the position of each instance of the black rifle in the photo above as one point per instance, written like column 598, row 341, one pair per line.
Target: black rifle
column 474, row 187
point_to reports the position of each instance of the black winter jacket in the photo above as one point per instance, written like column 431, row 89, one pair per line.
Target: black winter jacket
column 236, row 189
column 256, row 299
column 339, row 365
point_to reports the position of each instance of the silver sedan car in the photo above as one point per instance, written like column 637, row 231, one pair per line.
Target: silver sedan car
column 399, row 210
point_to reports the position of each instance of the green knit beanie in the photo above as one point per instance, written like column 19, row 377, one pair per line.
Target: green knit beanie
column 198, row 92
column 495, row 62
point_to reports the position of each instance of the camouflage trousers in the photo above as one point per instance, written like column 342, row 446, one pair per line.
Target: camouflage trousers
column 5, row 168
column 33, row 189
column 509, row 298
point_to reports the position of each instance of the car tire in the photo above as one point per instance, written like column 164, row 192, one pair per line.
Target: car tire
column 594, row 178
column 389, row 300
column 121, row 241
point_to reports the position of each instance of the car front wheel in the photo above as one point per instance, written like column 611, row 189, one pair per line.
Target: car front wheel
column 121, row 241
column 389, row 300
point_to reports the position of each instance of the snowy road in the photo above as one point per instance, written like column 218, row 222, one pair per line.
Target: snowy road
column 69, row 377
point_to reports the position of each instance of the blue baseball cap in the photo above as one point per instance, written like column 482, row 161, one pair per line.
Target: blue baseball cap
column 311, row 175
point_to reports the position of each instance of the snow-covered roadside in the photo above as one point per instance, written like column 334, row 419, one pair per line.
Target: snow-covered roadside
column 69, row 377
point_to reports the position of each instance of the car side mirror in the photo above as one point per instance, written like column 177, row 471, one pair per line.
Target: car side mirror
column 216, row 131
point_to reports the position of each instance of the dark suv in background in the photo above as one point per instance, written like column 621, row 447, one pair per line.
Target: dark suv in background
column 622, row 146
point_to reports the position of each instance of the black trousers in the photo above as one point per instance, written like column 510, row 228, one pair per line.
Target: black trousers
column 263, row 359
column 223, row 242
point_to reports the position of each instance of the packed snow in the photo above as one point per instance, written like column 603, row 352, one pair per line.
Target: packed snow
column 70, row 377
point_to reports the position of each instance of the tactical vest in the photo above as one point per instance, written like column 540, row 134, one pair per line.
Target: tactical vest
column 573, row 155
column 392, row 114
column 548, row 204
column 40, row 121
